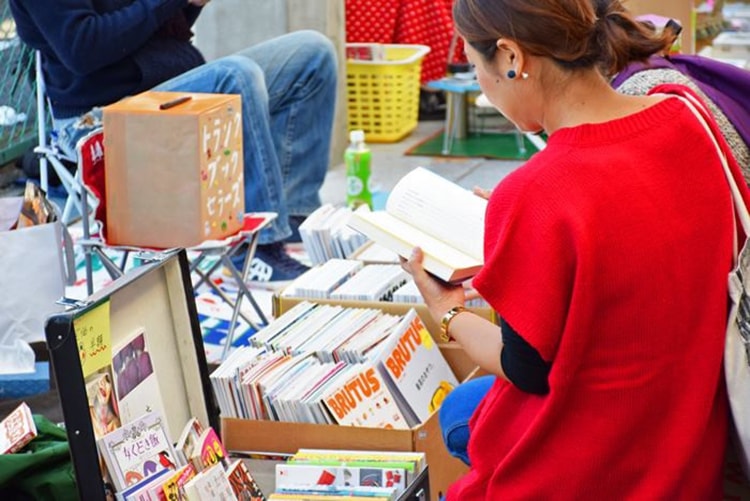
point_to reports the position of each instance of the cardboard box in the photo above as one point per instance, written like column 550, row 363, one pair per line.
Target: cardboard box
column 174, row 172
column 285, row 438
column 281, row 304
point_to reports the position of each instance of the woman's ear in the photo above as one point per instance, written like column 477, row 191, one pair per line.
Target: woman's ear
column 511, row 55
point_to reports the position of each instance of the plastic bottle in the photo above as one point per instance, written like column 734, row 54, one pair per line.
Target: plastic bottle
column 357, row 160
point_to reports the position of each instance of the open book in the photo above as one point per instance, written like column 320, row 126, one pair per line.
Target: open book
column 428, row 211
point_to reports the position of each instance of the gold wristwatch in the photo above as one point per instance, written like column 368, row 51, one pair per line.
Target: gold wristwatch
column 445, row 322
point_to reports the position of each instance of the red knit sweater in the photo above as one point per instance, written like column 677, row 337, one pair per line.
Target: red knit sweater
column 608, row 252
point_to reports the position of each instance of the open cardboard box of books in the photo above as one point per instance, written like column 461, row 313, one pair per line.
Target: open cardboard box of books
column 281, row 304
column 146, row 318
column 273, row 437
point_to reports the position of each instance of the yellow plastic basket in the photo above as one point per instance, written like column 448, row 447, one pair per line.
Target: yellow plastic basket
column 383, row 94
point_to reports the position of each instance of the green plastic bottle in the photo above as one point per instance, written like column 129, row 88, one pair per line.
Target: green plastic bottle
column 357, row 160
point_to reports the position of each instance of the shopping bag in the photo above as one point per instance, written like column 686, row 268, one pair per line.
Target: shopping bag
column 737, row 336
column 737, row 353
column 37, row 263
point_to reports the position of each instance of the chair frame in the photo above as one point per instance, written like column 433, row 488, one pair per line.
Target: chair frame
column 90, row 153
column 50, row 155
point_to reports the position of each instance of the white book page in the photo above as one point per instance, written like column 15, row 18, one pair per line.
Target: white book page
column 440, row 208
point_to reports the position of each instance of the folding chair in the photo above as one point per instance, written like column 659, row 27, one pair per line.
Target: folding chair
column 51, row 155
column 90, row 152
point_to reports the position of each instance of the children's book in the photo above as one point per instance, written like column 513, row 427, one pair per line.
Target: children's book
column 137, row 450
column 415, row 370
column 414, row 462
column 17, row 429
column 143, row 490
column 188, row 438
column 210, row 484
column 428, row 211
column 313, row 492
column 174, row 486
column 103, row 405
column 136, row 385
column 243, row 484
column 289, row 474
column 208, row 451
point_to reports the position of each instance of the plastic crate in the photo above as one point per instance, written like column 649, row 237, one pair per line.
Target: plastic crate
column 382, row 87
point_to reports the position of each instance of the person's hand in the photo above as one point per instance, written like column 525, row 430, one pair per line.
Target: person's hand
column 439, row 296
column 481, row 192
column 198, row 3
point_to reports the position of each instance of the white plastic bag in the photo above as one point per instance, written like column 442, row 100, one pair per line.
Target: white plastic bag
column 35, row 269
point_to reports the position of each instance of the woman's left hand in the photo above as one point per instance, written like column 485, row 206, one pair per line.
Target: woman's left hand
column 439, row 296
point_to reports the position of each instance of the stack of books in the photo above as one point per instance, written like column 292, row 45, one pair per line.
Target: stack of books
column 142, row 464
column 328, row 364
column 326, row 235
column 355, row 280
column 346, row 474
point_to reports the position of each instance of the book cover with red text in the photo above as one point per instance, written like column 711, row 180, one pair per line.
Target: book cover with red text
column 415, row 370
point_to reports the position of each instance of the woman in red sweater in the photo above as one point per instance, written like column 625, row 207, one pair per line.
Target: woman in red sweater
column 606, row 258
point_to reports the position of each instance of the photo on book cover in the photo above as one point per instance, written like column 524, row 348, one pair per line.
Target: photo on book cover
column 136, row 385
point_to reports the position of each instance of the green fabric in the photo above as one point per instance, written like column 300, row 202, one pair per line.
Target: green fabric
column 488, row 145
column 41, row 470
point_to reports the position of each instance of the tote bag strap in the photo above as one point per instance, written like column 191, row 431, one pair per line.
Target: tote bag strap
column 740, row 209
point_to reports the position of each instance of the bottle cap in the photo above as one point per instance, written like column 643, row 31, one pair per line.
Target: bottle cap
column 357, row 136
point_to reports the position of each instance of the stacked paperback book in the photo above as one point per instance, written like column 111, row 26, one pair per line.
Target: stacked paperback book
column 142, row 464
column 17, row 429
column 328, row 364
column 354, row 280
column 346, row 474
column 325, row 234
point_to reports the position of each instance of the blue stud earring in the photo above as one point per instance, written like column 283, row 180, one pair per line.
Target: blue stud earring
column 511, row 74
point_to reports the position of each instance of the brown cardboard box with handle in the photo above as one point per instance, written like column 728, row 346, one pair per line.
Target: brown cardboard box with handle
column 174, row 168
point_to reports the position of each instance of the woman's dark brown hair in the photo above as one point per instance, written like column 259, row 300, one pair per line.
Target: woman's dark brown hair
column 573, row 33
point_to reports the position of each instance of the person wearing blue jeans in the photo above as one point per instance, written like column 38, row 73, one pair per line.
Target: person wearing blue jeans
column 97, row 52
column 455, row 413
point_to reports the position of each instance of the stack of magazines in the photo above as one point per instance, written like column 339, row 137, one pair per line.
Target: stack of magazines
column 328, row 364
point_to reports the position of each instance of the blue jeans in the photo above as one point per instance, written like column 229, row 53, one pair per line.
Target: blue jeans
column 288, row 89
column 456, row 411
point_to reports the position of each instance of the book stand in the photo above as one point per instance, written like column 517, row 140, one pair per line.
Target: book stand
column 157, row 301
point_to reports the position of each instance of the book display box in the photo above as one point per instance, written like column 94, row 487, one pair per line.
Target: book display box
column 285, row 438
column 156, row 303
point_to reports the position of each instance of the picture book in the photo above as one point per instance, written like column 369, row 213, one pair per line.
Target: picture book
column 103, row 405
column 208, row 451
column 358, row 396
column 428, row 211
column 414, row 462
column 174, row 485
column 136, row 385
column 210, row 484
column 288, row 474
column 415, row 370
column 313, row 492
column 137, row 450
column 187, row 440
column 142, row 490
column 17, row 429
column 243, row 484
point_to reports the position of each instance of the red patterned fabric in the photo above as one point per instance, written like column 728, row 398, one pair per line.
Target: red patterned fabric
column 426, row 22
